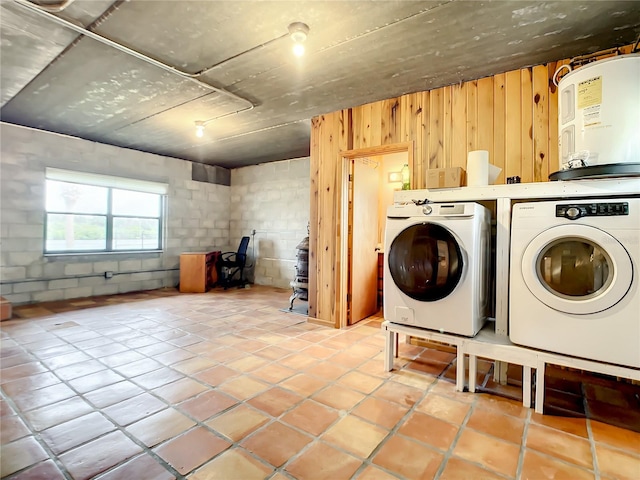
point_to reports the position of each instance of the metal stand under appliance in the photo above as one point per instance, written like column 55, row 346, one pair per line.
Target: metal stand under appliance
column 300, row 284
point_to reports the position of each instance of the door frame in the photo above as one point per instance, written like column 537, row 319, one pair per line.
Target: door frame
column 345, row 158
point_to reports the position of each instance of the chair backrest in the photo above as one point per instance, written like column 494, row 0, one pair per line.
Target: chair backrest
column 241, row 256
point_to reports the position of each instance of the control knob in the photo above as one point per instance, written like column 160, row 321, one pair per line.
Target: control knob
column 427, row 209
column 573, row 213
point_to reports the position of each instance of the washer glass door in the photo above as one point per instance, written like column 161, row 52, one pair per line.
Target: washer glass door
column 577, row 269
column 425, row 262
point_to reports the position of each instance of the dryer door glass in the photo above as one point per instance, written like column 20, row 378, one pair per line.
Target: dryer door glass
column 575, row 269
column 425, row 262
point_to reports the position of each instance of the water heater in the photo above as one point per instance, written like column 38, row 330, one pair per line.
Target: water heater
column 599, row 119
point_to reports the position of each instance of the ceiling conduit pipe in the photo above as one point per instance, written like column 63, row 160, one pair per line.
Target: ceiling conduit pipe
column 272, row 127
column 134, row 53
column 264, row 129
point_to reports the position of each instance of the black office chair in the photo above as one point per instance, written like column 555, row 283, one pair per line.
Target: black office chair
column 231, row 265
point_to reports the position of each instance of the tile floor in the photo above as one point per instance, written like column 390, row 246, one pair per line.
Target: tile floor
column 224, row 385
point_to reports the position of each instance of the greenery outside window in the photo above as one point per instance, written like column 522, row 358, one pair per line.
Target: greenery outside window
column 87, row 213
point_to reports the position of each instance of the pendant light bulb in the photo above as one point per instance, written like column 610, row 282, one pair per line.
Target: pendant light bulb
column 199, row 129
column 298, row 32
column 298, row 50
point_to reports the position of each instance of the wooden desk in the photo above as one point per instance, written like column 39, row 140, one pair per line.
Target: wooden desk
column 198, row 271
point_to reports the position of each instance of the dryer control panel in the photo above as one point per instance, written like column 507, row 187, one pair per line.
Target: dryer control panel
column 603, row 209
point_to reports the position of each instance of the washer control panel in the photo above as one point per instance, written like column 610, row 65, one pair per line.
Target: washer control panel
column 604, row 209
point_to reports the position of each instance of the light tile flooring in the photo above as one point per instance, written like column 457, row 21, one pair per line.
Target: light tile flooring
column 224, row 385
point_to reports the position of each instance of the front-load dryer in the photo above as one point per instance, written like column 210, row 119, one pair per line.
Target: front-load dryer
column 574, row 278
column 436, row 264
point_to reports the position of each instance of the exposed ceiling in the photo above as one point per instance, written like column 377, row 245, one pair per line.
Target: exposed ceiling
column 223, row 57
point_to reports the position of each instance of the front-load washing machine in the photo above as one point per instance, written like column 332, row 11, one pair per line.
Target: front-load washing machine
column 574, row 278
column 436, row 266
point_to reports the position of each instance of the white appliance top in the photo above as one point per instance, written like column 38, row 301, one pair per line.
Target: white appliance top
column 573, row 189
column 433, row 210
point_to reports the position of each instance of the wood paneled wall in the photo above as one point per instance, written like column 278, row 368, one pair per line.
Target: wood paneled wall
column 330, row 134
column 513, row 115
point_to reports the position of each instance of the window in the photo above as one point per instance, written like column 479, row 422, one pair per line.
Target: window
column 99, row 213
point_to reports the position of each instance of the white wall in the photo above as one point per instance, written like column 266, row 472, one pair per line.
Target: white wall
column 273, row 199
column 390, row 163
column 198, row 218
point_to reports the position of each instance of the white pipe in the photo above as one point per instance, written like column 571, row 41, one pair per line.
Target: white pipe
column 134, row 53
column 217, row 140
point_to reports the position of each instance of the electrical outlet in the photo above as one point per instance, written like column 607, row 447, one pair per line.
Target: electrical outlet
column 108, row 274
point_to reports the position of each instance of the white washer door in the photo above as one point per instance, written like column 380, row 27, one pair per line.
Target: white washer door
column 577, row 269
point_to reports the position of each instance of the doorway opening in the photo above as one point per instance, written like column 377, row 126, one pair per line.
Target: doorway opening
column 369, row 177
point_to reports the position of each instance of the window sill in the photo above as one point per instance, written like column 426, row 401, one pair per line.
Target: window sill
column 91, row 254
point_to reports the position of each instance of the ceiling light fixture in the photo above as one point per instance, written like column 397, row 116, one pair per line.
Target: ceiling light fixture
column 199, row 128
column 298, row 32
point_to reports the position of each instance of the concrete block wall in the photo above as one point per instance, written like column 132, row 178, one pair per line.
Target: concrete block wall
column 273, row 199
column 198, row 216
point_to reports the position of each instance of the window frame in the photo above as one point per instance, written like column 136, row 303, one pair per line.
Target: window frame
column 111, row 183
